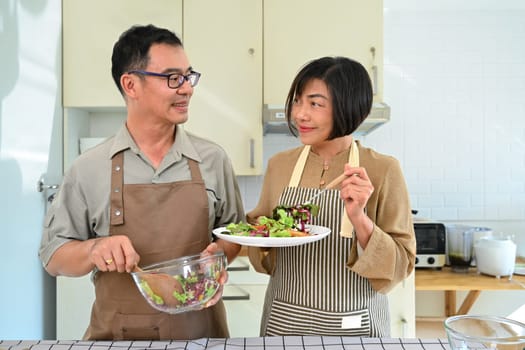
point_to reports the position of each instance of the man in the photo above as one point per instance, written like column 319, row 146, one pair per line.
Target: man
column 150, row 193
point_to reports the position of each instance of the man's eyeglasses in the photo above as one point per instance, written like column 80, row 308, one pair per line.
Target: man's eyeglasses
column 175, row 80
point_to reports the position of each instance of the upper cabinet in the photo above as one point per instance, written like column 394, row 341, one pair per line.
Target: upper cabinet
column 296, row 32
column 248, row 52
column 90, row 29
column 223, row 40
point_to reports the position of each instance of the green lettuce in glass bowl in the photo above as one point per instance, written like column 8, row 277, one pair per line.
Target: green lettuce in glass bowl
column 182, row 284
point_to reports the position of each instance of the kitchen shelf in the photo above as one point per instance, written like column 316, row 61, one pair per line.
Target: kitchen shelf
column 450, row 282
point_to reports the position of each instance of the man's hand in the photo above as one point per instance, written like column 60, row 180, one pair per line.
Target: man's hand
column 114, row 253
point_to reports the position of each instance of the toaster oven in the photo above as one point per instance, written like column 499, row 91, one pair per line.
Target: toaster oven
column 431, row 244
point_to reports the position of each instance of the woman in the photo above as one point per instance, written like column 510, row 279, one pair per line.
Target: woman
column 335, row 286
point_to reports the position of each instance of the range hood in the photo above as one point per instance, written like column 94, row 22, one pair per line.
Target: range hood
column 274, row 119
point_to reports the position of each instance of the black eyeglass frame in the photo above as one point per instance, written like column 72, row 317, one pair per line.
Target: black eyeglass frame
column 192, row 77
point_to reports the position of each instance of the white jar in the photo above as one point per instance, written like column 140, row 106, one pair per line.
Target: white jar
column 477, row 234
column 495, row 256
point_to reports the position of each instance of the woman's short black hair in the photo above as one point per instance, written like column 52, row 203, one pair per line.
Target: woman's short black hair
column 349, row 85
column 131, row 51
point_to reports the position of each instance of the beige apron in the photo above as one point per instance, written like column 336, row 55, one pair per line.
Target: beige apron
column 163, row 221
column 312, row 292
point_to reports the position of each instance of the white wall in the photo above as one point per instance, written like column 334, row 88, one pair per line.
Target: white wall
column 455, row 80
column 30, row 145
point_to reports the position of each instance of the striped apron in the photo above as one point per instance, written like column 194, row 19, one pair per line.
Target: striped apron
column 312, row 291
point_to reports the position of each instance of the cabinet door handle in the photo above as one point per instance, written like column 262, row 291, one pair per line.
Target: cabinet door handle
column 374, row 71
column 252, row 153
column 41, row 185
column 374, row 80
column 237, row 297
column 240, row 294
column 238, row 268
column 405, row 327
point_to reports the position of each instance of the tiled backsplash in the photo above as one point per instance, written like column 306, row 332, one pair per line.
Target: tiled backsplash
column 455, row 81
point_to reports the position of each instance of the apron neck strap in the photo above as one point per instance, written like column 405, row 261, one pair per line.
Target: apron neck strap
column 194, row 170
column 299, row 167
column 353, row 160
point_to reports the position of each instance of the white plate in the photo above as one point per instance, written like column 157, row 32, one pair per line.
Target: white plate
column 316, row 233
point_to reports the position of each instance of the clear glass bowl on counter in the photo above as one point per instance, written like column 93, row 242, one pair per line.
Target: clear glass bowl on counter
column 182, row 284
column 467, row 332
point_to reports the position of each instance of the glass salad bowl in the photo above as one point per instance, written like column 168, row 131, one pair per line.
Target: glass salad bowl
column 182, row 284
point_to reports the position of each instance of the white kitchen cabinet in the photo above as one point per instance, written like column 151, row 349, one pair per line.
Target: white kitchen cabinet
column 402, row 302
column 75, row 296
column 244, row 315
column 90, row 29
column 244, row 298
column 223, row 40
column 296, row 32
